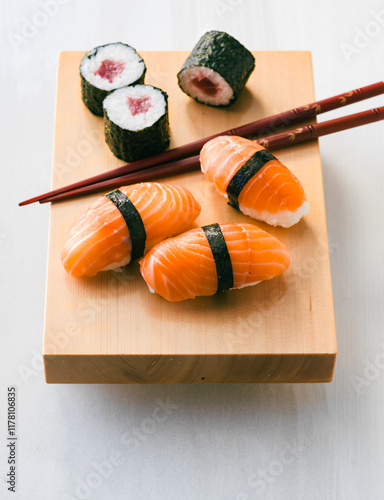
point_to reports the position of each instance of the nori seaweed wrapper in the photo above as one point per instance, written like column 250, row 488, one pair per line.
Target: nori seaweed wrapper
column 132, row 145
column 245, row 173
column 92, row 96
column 220, row 255
column 220, row 52
column 133, row 221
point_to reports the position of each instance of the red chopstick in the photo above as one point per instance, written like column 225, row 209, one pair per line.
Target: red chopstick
column 257, row 128
column 288, row 138
column 159, row 171
column 316, row 130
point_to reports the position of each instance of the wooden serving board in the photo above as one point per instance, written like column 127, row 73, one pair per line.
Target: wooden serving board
column 111, row 329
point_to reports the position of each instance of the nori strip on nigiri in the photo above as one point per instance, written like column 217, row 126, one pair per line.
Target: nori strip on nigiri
column 255, row 163
column 217, row 69
column 221, row 256
column 133, row 220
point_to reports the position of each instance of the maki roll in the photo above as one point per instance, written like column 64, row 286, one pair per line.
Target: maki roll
column 136, row 122
column 107, row 68
column 217, row 69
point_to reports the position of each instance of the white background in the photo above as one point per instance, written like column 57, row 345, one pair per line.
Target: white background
column 292, row 442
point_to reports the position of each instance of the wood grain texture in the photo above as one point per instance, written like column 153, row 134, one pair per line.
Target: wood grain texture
column 110, row 329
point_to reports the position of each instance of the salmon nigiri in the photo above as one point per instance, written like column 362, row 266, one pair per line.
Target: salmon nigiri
column 122, row 225
column 253, row 180
column 214, row 258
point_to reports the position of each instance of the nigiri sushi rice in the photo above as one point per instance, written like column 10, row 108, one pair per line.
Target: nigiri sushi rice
column 106, row 68
column 212, row 259
column 124, row 224
column 253, row 180
column 136, row 122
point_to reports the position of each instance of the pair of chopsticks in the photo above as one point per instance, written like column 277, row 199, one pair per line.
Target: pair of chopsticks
column 186, row 158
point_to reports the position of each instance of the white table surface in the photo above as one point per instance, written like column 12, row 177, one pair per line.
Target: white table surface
column 235, row 442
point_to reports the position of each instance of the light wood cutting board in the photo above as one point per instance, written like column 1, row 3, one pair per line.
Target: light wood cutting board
column 111, row 329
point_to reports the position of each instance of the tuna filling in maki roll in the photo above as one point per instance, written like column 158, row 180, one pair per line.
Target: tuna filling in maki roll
column 136, row 122
column 107, row 68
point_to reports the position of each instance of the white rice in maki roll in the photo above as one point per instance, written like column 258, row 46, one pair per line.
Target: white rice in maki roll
column 216, row 70
column 106, row 68
column 136, row 122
